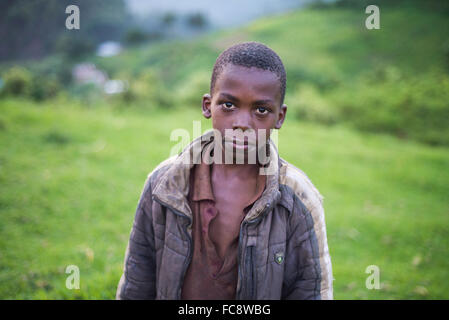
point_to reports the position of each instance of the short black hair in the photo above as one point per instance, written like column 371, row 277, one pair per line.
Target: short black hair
column 251, row 54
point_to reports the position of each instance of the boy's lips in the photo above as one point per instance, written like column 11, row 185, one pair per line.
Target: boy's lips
column 239, row 143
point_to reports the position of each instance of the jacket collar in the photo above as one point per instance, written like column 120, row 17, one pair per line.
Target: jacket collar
column 173, row 187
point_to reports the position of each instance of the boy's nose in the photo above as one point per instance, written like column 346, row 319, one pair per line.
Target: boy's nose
column 242, row 121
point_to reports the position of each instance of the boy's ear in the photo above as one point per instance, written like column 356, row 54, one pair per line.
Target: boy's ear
column 207, row 103
column 281, row 116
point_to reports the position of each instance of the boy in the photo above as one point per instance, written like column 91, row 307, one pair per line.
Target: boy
column 228, row 229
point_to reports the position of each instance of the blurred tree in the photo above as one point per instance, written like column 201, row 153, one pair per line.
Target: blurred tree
column 168, row 19
column 31, row 29
column 73, row 47
column 135, row 36
column 196, row 20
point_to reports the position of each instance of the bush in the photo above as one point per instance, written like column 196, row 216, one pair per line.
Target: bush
column 17, row 82
column 386, row 101
column 146, row 88
column 44, row 88
column 74, row 48
column 135, row 37
column 191, row 91
column 307, row 103
column 381, row 100
column 88, row 93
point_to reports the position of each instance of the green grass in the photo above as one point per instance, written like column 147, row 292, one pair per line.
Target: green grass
column 71, row 176
column 71, row 172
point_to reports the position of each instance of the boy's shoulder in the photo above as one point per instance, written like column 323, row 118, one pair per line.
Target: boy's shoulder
column 301, row 185
column 160, row 168
column 290, row 176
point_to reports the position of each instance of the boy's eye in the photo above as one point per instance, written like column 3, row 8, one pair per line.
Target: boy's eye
column 262, row 110
column 228, row 105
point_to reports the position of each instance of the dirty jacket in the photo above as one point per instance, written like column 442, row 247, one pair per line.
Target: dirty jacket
column 282, row 252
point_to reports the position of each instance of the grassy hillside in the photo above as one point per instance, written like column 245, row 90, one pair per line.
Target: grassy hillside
column 71, row 170
column 318, row 46
column 70, row 180
column 393, row 80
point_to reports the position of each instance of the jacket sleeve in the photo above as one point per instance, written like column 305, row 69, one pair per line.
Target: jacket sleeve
column 138, row 280
column 307, row 257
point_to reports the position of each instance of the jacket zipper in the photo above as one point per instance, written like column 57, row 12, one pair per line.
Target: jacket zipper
column 189, row 256
column 251, row 278
column 250, row 271
column 239, row 257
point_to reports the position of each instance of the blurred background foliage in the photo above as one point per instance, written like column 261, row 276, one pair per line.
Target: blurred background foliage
column 393, row 80
column 32, row 29
column 92, row 109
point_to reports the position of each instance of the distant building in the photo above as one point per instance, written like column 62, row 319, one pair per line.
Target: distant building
column 88, row 73
column 115, row 86
column 109, row 49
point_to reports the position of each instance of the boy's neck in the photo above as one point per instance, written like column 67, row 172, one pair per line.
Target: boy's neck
column 242, row 171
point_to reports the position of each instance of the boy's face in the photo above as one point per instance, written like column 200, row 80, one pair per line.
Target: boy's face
column 246, row 99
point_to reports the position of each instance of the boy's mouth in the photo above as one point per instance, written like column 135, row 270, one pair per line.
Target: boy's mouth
column 240, row 144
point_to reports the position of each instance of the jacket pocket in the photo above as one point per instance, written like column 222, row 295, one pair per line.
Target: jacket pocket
column 250, row 273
